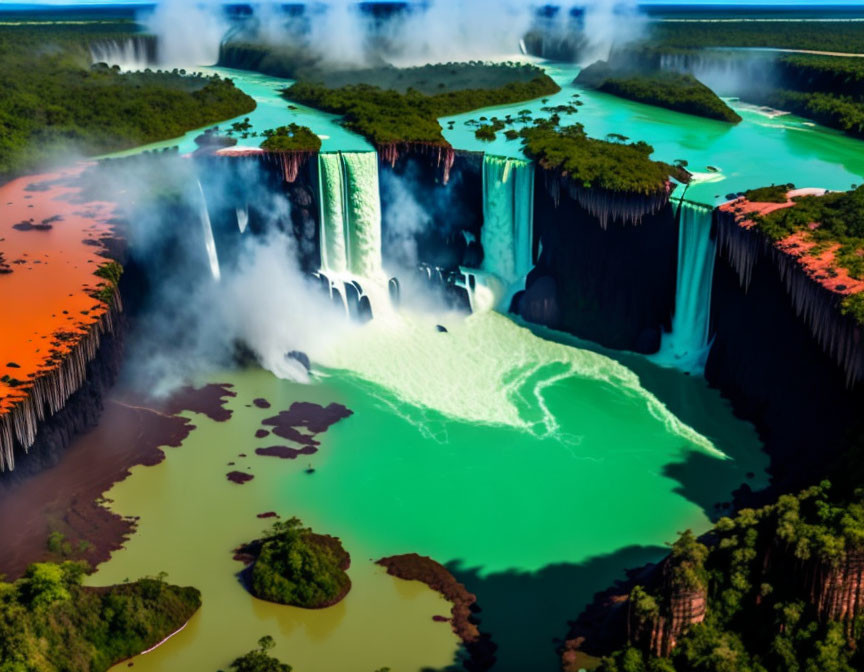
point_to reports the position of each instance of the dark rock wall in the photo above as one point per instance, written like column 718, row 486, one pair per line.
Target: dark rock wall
column 614, row 286
column 766, row 361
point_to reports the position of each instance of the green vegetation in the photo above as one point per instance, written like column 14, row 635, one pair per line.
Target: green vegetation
column 838, row 36
column 600, row 164
column 674, row 91
column 840, row 217
column 291, row 138
column 387, row 117
column 833, row 110
column 776, row 193
column 259, row 660
column 49, row 622
column 54, row 102
column 762, row 608
column 295, row 566
column 110, row 271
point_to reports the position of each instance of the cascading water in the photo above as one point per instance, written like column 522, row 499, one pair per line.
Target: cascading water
column 508, row 220
column 242, row 218
column 207, row 230
column 133, row 53
column 350, row 229
column 686, row 346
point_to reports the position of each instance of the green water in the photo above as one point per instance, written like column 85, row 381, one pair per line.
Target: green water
column 756, row 152
column 536, row 470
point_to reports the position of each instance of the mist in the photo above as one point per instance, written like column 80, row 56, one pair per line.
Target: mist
column 338, row 33
column 187, row 324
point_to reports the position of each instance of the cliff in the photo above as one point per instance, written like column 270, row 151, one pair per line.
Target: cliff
column 61, row 315
column 598, row 275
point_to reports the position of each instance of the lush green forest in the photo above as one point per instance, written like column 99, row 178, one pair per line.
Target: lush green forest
column 674, row 91
column 292, row 565
column 762, row 570
column 837, row 36
column 776, row 193
column 611, row 165
column 387, row 116
column 291, row 138
column 49, row 622
column 52, row 102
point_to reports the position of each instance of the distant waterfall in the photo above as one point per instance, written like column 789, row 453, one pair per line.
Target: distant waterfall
column 242, row 218
column 686, row 346
column 207, row 230
column 131, row 53
column 508, row 220
column 350, row 227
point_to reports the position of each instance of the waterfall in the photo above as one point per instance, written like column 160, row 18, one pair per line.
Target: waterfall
column 508, row 219
column 686, row 346
column 207, row 229
column 350, row 226
column 132, row 53
column 242, row 218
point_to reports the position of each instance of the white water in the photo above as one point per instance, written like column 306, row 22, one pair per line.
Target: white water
column 510, row 369
column 508, row 221
column 350, row 228
column 242, row 218
column 686, row 346
column 130, row 53
column 207, row 230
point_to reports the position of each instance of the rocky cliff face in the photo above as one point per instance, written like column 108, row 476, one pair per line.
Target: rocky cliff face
column 600, row 278
column 774, row 329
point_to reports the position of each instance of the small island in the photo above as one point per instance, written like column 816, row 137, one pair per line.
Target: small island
column 291, row 138
column 672, row 90
column 292, row 565
column 50, row 622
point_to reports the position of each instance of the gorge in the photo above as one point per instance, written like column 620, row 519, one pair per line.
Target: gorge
column 543, row 373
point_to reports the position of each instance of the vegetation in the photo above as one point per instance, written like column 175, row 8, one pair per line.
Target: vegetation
column 387, row 116
column 674, row 91
column 776, row 193
column 53, row 101
column 837, row 36
column 110, row 271
column 840, row 217
column 48, row 621
column 833, row 110
column 592, row 163
column 291, row 138
column 259, row 660
column 292, row 565
column 761, row 615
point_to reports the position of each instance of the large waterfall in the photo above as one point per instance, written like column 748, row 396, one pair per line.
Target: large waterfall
column 508, row 219
column 686, row 346
column 207, row 231
column 131, row 53
column 350, row 229
column 350, row 213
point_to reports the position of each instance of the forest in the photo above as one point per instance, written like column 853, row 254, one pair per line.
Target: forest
column 674, row 91
column 53, row 102
column 386, row 116
column 765, row 573
column 49, row 622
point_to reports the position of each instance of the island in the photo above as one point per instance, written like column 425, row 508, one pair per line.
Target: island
column 292, row 565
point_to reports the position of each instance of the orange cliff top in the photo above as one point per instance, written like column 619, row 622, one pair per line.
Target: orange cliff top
column 817, row 260
column 50, row 249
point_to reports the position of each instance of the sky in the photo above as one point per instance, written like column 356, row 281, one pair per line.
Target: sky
column 763, row 3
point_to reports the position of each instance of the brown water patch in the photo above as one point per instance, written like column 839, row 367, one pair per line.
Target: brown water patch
column 66, row 497
column 261, row 403
column 261, row 433
column 285, row 452
column 414, row 567
column 312, row 417
column 239, row 477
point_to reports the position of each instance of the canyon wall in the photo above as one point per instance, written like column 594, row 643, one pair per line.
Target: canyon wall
column 612, row 284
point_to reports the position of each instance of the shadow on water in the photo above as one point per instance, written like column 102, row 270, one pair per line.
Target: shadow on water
column 527, row 613
column 703, row 480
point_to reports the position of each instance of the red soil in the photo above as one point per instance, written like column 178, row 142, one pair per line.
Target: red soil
column 65, row 498
column 819, row 264
column 46, row 298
